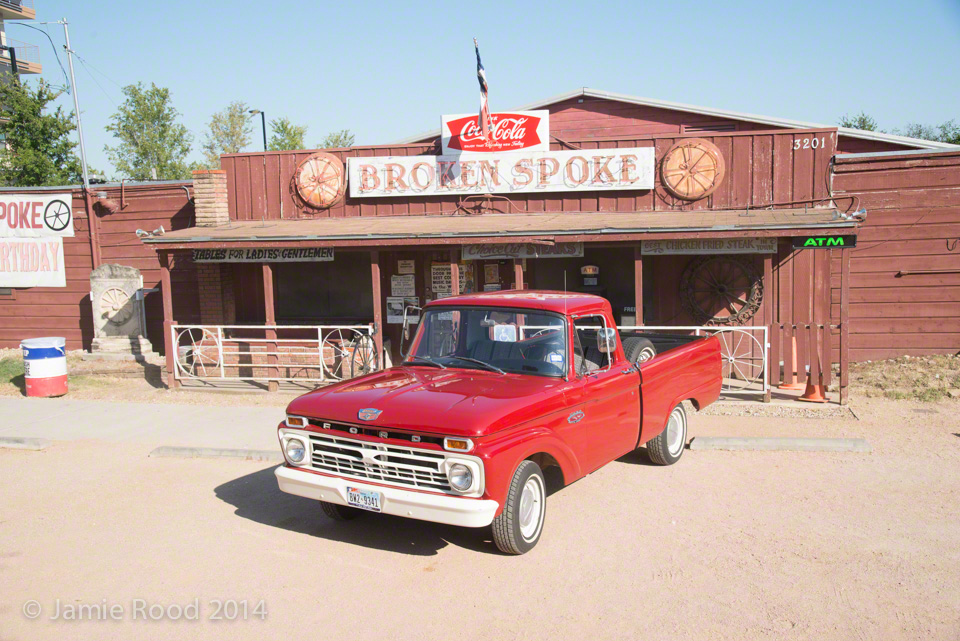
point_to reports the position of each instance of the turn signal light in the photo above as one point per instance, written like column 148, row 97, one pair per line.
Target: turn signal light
column 296, row 421
column 457, row 444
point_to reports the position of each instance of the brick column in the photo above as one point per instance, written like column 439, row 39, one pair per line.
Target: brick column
column 211, row 297
column 210, row 197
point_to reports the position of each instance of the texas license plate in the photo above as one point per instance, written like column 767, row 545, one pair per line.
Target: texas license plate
column 364, row 499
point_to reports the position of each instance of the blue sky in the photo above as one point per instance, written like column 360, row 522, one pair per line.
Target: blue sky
column 386, row 71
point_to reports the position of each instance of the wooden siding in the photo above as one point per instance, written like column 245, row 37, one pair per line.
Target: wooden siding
column 913, row 224
column 762, row 168
column 66, row 311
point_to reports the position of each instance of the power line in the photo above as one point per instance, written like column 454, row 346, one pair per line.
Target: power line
column 56, row 54
column 96, row 82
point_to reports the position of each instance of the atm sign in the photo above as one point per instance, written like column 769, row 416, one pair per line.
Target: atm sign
column 823, row 242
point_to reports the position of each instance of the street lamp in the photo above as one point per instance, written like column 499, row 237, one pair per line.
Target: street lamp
column 263, row 122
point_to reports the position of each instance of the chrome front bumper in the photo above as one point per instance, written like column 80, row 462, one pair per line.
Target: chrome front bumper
column 453, row 510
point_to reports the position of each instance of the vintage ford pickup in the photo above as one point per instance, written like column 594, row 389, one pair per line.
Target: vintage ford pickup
column 499, row 393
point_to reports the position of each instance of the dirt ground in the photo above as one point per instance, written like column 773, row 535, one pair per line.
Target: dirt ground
column 723, row 545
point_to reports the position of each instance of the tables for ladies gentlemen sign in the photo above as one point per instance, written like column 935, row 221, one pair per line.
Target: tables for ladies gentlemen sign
column 502, row 173
column 32, row 228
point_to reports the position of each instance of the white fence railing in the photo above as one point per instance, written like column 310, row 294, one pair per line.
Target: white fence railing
column 301, row 353
column 742, row 348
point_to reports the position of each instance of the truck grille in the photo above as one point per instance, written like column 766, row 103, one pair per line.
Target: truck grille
column 391, row 464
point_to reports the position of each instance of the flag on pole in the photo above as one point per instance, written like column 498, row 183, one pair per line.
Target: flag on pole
column 483, row 120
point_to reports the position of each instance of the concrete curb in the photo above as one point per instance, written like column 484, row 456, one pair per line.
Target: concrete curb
column 780, row 444
column 217, row 452
column 24, row 443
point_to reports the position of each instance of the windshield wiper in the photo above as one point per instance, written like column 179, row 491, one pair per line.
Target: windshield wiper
column 422, row 359
column 492, row 368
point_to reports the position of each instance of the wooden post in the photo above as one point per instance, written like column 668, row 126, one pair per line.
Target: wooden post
column 638, row 284
column 377, row 304
column 169, row 345
column 270, row 318
column 844, row 325
column 518, row 272
column 454, row 271
column 768, row 321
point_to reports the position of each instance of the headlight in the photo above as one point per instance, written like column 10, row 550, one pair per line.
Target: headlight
column 295, row 450
column 461, row 478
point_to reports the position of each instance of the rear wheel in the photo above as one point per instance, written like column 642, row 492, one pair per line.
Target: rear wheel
column 517, row 530
column 666, row 448
column 638, row 350
column 339, row 512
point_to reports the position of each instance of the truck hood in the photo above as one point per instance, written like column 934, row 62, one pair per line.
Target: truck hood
column 450, row 402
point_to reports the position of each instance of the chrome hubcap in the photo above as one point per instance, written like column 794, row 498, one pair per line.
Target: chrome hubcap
column 531, row 508
column 676, row 432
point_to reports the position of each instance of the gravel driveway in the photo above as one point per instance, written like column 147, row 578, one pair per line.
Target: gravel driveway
column 723, row 545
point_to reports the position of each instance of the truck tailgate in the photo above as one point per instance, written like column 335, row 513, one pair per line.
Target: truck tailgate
column 691, row 371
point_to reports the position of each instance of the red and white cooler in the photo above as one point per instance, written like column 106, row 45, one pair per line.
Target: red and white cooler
column 45, row 366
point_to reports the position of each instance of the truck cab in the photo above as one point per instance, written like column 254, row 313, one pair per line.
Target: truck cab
column 498, row 394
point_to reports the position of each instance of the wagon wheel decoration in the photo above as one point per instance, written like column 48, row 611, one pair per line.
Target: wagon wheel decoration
column 56, row 215
column 198, row 354
column 692, row 169
column 320, row 180
column 337, row 351
column 720, row 290
column 742, row 359
column 363, row 359
column 115, row 306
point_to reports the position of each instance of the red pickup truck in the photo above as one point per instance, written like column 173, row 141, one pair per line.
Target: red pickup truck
column 499, row 393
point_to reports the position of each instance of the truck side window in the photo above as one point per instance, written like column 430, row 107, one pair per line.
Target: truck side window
column 587, row 357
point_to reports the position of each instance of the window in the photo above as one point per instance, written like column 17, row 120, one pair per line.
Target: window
column 594, row 344
column 338, row 290
column 493, row 338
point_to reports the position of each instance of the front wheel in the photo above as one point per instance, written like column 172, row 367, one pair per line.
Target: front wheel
column 339, row 512
column 519, row 525
column 666, row 448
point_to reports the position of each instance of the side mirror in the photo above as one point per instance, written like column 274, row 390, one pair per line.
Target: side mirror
column 606, row 340
column 408, row 319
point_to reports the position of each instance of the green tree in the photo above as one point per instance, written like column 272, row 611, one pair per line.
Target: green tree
column 859, row 121
column 286, row 135
column 39, row 150
column 947, row 131
column 149, row 135
column 229, row 132
column 342, row 138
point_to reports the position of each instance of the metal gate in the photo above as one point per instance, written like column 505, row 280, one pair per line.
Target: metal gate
column 300, row 353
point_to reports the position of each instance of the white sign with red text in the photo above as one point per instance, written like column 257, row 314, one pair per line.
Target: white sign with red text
column 515, row 131
column 32, row 227
column 502, row 173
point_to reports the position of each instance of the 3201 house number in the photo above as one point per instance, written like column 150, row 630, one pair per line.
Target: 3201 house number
column 809, row 143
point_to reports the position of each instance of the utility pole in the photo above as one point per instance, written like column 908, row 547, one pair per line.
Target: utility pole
column 76, row 105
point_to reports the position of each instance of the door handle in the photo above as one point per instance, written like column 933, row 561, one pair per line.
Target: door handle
column 629, row 370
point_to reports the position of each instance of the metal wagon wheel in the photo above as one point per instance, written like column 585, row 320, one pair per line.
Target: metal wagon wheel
column 364, row 358
column 721, row 290
column 741, row 359
column 337, row 350
column 201, row 354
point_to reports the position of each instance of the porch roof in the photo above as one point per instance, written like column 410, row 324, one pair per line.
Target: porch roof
column 522, row 227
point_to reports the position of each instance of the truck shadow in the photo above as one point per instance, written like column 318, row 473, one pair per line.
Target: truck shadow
column 256, row 497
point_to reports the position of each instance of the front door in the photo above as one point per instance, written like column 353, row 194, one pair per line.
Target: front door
column 605, row 412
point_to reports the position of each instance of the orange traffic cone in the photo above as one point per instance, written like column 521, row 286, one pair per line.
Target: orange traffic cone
column 793, row 384
column 813, row 393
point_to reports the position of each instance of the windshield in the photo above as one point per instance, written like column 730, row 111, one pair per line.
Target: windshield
column 501, row 340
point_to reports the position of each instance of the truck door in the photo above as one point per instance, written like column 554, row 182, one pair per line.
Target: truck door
column 608, row 395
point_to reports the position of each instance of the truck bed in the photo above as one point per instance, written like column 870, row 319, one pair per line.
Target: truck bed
column 685, row 368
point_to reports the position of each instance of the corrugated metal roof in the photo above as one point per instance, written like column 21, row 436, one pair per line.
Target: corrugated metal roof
column 709, row 111
column 565, row 224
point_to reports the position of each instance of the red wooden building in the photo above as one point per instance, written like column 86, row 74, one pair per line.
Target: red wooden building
column 896, row 292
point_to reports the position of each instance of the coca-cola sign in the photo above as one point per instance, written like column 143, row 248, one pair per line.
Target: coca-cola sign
column 516, row 131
